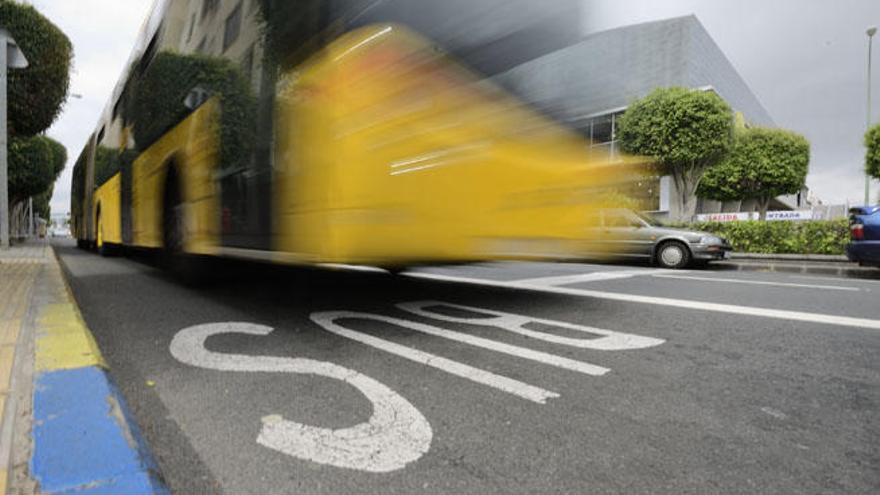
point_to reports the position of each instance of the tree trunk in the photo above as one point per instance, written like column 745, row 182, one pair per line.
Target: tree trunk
column 763, row 204
column 686, row 182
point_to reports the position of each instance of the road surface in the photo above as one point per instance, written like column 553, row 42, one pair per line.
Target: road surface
column 494, row 378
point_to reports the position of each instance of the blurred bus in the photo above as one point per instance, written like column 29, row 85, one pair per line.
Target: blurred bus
column 320, row 131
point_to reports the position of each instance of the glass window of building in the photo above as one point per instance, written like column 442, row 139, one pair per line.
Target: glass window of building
column 233, row 27
column 209, row 7
column 192, row 26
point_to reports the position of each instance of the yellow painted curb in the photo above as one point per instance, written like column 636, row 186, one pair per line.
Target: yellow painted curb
column 2, row 480
column 63, row 341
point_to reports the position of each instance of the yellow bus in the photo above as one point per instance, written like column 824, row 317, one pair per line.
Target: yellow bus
column 296, row 136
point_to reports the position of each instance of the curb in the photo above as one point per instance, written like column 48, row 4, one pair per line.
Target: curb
column 827, row 258
column 849, row 270
column 84, row 440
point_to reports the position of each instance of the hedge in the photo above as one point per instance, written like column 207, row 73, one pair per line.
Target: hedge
column 108, row 162
column 808, row 237
column 158, row 104
column 37, row 92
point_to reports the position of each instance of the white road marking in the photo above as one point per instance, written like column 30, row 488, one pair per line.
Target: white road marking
column 833, row 279
column 585, row 277
column 664, row 301
column 512, row 350
column 395, row 435
column 757, row 282
column 327, row 321
column 609, row 340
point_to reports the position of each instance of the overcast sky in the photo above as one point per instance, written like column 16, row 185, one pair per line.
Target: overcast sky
column 103, row 33
column 804, row 59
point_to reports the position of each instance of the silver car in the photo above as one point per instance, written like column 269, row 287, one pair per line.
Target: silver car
column 625, row 234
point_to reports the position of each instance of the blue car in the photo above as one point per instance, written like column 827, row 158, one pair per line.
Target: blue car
column 864, row 229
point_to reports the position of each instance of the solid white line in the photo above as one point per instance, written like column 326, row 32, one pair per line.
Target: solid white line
column 584, row 277
column 756, row 282
column 327, row 321
column 665, row 301
column 834, row 279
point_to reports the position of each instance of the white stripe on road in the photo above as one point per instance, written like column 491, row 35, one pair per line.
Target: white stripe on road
column 585, row 277
column 835, row 279
column 756, row 282
column 609, row 340
column 326, row 320
column 664, row 301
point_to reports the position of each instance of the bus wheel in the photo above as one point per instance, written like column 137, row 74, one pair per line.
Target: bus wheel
column 101, row 245
column 189, row 269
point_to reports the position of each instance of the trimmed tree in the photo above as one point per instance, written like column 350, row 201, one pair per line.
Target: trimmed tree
column 37, row 92
column 872, row 156
column 763, row 164
column 685, row 131
column 34, row 165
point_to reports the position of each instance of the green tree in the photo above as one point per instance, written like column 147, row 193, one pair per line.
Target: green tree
column 34, row 165
column 872, row 157
column 685, row 131
column 37, row 92
column 763, row 164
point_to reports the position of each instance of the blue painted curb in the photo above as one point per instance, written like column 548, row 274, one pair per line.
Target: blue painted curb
column 84, row 439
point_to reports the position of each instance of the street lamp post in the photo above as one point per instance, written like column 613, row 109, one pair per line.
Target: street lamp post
column 870, row 32
column 11, row 57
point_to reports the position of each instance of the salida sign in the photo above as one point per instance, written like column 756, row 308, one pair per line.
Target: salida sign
column 791, row 215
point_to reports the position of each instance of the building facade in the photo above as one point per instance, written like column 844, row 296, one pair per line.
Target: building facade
column 589, row 84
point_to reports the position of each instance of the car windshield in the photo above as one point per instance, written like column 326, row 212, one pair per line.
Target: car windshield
column 647, row 219
column 628, row 218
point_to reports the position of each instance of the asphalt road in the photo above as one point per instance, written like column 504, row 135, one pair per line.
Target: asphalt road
column 494, row 378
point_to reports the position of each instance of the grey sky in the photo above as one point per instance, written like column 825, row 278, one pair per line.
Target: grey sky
column 804, row 59
column 103, row 33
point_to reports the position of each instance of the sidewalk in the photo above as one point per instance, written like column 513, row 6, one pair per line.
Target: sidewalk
column 64, row 427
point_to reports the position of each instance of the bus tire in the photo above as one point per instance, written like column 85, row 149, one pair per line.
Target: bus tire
column 187, row 268
column 101, row 246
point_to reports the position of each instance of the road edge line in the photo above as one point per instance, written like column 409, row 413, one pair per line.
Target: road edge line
column 782, row 314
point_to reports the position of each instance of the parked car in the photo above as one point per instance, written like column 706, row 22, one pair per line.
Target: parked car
column 864, row 230
column 59, row 232
column 625, row 234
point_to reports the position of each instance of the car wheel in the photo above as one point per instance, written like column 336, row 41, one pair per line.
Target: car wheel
column 673, row 255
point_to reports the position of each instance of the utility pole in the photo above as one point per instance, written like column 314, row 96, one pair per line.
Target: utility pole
column 870, row 32
column 11, row 57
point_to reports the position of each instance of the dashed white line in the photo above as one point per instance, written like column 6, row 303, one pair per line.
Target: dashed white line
column 664, row 301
